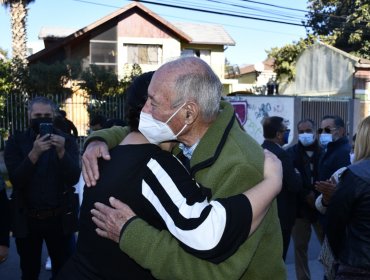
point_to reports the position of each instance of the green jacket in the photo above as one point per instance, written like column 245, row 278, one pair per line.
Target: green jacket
column 228, row 161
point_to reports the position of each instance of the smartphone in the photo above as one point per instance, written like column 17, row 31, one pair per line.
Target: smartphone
column 46, row 128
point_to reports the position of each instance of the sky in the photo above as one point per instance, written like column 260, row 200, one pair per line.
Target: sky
column 252, row 37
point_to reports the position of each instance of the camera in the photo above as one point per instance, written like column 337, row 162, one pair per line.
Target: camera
column 45, row 128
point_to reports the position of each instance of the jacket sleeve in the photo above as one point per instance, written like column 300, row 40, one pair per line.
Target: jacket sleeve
column 112, row 136
column 18, row 164
column 159, row 252
column 209, row 230
column 338, row 212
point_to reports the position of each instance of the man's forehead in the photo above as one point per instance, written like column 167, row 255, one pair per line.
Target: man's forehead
column 305, row 125
column 327, row 122
column 41, row 108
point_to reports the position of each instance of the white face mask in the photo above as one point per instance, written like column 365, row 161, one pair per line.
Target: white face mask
column 306, row 139
column 156, row 131
column 325, row 139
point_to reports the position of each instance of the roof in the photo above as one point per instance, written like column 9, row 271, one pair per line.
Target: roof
column 212, row 34
column 55, row 32
column 191, row 33
column 85, row 31
column 267, row 64
column 360, row 60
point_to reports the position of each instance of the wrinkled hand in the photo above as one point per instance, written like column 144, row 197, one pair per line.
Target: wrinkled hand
column 59, row 142
column 40, row 145
column 327, row 188
column 90, row 170
column 272, row 167
column 111, row 220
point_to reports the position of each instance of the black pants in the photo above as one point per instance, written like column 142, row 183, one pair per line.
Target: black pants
column 4, row 218
column 30, row 248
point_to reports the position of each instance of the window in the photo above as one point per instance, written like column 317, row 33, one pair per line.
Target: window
column 144, row 54
column 103, row 49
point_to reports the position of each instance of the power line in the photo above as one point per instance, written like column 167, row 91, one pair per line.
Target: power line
column 220, row 13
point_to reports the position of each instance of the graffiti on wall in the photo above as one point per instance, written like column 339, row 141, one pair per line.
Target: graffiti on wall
column 250, row 111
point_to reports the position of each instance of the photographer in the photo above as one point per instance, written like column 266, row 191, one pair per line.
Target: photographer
column 43, row 166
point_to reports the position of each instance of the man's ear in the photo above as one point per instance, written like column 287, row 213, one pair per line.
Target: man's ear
column 191, row 112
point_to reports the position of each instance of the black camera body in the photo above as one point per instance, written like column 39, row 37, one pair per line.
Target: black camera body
column 46, row 128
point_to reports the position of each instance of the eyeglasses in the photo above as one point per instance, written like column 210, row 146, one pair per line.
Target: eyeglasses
column 326, row 130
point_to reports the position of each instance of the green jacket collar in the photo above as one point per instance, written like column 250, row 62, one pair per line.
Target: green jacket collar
column 211, row 144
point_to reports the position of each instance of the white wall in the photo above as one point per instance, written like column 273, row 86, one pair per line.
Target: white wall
column 251, row 110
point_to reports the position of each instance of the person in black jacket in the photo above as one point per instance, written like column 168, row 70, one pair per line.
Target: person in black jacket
column 333, row 140
column 42, row 170
column 276, row 135
column 305, row 155
column 347, row 217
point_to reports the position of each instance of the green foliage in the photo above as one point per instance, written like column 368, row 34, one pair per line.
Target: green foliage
column 48, row 79
column 101, row 84
column 347, row 22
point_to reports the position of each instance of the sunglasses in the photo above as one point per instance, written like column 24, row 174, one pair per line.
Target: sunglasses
column 326, row 130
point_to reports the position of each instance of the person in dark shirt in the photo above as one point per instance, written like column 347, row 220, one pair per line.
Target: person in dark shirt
column 42, row 170
column 161, row 191
column 276, row 135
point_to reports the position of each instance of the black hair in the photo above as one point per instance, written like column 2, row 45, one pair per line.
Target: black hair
column 98, row 119
column 338, row 121
column 136, row 96
column 271, row 125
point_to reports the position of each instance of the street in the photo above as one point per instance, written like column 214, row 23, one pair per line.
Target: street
column 9, row 270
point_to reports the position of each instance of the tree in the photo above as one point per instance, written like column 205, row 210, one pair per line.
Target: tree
column 347, row 22
column 18, row 14
column 102, row 84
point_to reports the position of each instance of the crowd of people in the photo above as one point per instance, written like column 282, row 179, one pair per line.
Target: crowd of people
column 180, row 191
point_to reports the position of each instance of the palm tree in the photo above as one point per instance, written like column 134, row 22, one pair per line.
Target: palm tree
column 18, row 14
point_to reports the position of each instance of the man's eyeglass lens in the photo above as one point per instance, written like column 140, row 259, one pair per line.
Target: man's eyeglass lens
column 326, row 130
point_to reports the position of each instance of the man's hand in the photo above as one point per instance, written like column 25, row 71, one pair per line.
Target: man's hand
column 90, row 170
column 111, row 220
column 58, row 141
column 39, row 146
column 327, row 188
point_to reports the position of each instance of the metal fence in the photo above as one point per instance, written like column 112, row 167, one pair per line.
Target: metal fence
column 78, row 106
column 317, row 107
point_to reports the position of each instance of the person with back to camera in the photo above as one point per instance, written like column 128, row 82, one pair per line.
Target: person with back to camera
column 42, row 170
column 347, row 223
column 141, row 167
column 184, row 99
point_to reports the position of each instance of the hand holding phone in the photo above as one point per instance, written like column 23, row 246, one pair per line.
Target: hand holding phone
column 46, row 128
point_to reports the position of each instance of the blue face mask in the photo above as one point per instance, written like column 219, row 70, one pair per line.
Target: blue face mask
column 286, row 136
column 325, row 139
column 306, row 139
